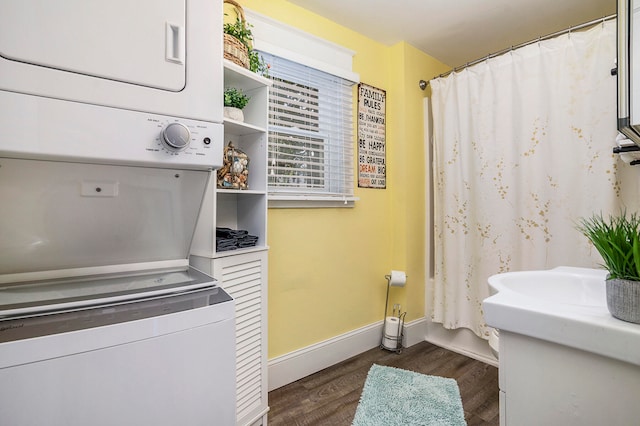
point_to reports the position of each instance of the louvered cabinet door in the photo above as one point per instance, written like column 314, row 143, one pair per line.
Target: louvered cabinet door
column 244, row 277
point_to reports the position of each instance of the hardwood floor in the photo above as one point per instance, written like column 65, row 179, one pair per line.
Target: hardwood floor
column 330, row 396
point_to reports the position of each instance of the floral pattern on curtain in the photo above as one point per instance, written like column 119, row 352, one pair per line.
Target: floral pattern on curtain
column 522, row 148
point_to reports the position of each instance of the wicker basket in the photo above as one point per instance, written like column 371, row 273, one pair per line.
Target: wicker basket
column 234, row 50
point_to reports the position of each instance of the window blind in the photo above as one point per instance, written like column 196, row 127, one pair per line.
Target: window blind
column 311, row 142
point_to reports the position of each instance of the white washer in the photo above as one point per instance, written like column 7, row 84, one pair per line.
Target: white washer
column 102, row 321
column 110, row 127
column 152, row 349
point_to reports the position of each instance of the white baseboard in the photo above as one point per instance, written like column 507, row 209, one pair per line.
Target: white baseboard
column 295, row 365
column 462, row 341
column 415, row 332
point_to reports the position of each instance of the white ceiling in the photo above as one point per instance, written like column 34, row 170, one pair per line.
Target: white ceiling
column 457, row 32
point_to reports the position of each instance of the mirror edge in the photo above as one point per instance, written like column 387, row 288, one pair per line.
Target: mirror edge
column 623, row 71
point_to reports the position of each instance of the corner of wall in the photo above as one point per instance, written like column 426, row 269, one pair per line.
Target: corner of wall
column 462, row 341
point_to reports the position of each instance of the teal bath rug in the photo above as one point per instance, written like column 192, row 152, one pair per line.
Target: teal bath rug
column 395, row 397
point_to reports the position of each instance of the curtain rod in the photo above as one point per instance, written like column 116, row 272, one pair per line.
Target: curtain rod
column 509, row 49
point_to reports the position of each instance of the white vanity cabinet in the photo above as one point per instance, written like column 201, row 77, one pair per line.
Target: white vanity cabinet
column 242, row 272
column 564, row 359
column 546, row 383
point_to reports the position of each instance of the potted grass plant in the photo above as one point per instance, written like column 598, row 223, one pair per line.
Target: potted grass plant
column 234, row 101
column 617, row 239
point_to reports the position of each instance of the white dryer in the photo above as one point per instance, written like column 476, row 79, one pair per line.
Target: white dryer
column 110, row 126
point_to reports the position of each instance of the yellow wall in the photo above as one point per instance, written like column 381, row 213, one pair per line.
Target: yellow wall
column 327, row 266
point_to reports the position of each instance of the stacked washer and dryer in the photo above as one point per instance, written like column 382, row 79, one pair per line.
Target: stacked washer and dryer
column 110, row 124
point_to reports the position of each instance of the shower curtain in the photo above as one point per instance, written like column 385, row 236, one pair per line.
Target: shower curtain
column 522, row 148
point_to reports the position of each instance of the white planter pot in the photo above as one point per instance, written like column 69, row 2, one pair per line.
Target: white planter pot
column 233, row 113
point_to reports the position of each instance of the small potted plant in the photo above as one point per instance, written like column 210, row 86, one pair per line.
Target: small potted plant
column 234, row 101
column 617, row 239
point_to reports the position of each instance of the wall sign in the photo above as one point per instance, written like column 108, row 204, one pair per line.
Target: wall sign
column 372, row 168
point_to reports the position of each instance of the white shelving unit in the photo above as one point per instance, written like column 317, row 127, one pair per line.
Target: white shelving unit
column 240, row 209
column 242, row 272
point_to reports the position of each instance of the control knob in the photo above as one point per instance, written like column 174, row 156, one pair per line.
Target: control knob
column 176, row 136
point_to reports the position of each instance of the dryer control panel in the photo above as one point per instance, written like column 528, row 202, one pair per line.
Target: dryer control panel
column 105, row 135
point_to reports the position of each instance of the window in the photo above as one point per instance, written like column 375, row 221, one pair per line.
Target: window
column 311, row 141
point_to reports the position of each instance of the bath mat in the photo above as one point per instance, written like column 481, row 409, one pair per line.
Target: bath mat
column 392, row 396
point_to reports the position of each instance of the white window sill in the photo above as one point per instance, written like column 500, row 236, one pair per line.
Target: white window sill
column 278, row 201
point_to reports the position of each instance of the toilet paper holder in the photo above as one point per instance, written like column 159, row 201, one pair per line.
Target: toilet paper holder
column 392, row 338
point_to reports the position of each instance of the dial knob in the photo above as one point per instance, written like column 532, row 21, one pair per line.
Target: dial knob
column 176, row 136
